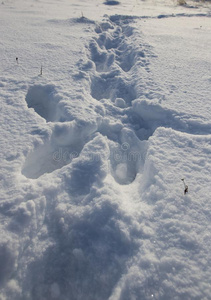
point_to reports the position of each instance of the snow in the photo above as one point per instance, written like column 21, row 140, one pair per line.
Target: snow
column 103, row 113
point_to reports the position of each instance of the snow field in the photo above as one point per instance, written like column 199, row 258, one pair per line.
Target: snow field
column 92, row 203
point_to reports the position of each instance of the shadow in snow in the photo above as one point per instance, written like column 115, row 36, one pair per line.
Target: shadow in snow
column 111, row 2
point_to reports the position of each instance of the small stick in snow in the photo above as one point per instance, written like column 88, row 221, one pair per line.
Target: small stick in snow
column 17, row 60
column 82, row 16
column 185, row 186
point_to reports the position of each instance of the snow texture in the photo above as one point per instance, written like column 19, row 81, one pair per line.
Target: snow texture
column 104, row 109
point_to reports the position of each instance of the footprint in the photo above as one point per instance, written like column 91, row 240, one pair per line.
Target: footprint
column 127, row 59
column 44, row 100
column 114, row 55
column 112, row 86
column 115, row 38
column 64, row 144
column 46, row 159
column 127, row 158
column 102, row 59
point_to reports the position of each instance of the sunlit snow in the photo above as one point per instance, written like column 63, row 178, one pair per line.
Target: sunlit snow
column 104, row 122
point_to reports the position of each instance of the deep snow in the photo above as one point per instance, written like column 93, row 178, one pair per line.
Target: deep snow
column 105, row 111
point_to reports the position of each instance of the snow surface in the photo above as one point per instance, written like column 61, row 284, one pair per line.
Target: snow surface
column 104, row 111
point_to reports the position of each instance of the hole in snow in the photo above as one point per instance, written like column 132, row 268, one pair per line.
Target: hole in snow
column 125, row 162
column 48, row 158
column 44, row 100
column 65, row 144
column 110, row 86
column 127, row 59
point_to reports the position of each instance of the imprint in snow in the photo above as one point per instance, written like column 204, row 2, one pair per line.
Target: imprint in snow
column 65, row 144
column 121, row 172
column 102, row 59
column 46, row 159
column 124, row 164
column 112, row 86
column 114, row 41
column 44, row 100
column 128, row 158
column 127, row 59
